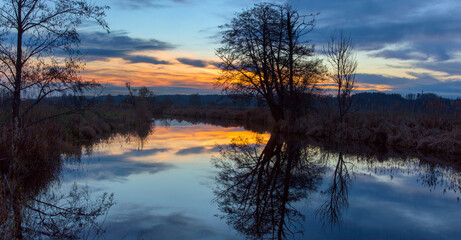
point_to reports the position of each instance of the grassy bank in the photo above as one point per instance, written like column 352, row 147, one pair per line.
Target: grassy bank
column 71, row 133
column 404, row 132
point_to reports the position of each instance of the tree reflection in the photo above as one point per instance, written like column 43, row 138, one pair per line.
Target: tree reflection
column 337, row 193
column 258, row 184
column 32, row 204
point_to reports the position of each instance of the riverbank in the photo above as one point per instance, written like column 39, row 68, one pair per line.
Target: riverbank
column 254, row 119
column 70, row 134
column 402, row 132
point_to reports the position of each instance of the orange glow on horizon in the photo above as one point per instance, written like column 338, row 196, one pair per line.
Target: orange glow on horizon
column 117, row 71
column 360, row 87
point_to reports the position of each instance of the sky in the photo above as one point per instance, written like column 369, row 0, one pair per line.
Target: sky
column 402, row 46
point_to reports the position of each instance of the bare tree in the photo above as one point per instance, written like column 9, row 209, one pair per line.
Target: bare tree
column 343, row 65
column 265, row 54
column 35, row 35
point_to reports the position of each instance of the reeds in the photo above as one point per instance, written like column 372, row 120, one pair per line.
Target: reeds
column 403, row 131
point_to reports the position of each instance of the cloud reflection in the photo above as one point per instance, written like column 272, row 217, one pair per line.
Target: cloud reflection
column 115, row 167
column 139, row 222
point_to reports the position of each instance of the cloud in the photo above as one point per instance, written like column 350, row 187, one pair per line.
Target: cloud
column 192, row 150
column 101, row 46
column 145, row 4
column 404, row 54
column 198, row 150
column 145, row 59
column 424, row 33
column 423, row 82
column 429, row 29
column 452, row 68
column 140, row 222
column 146, row 152
column 379, row 79
column 193, row 62
column 118, row 167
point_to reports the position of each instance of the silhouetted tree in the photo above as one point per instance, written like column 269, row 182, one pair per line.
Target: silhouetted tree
column 34, row 35
column 144, row 92
column 343, row 68
column 265, row 54
column 140, row 95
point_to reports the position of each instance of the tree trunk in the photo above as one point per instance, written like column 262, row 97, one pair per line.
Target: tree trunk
column 18, row 78
column 340, row 104
column 17, row 219
column 277, row 113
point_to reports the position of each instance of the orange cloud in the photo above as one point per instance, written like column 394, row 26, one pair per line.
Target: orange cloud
column 330, row 85
column 118, row 71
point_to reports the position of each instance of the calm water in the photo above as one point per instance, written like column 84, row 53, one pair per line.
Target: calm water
column 201, row 181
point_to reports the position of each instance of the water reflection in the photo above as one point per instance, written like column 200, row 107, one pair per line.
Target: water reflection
column 337, row 193
column 269, row 186
column 34, row 207
column 263, row 188
column 33, row 202
column 257, row 185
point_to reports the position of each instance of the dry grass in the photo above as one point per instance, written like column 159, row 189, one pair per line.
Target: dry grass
column 401, row 131
column 419, row 132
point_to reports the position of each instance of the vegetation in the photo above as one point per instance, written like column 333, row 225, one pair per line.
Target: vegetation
column 427, row 124
column 33, row 34
column 343, row 67
column 269, row 69
column 31, row 205
column 260, row 183
column 265, row 54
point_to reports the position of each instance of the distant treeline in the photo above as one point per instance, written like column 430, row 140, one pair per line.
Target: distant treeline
column 382, row 102
column 421, row 102
column 418, row 103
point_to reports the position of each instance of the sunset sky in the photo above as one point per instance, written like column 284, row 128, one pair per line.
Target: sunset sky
column 402, row 45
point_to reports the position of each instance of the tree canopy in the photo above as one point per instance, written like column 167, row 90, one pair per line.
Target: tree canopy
column 37, row 47
column 265, row 53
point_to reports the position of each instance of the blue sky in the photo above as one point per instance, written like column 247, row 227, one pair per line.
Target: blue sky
column 402, row 46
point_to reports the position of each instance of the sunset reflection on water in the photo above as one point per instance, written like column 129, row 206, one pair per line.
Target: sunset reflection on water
column 166, row 186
